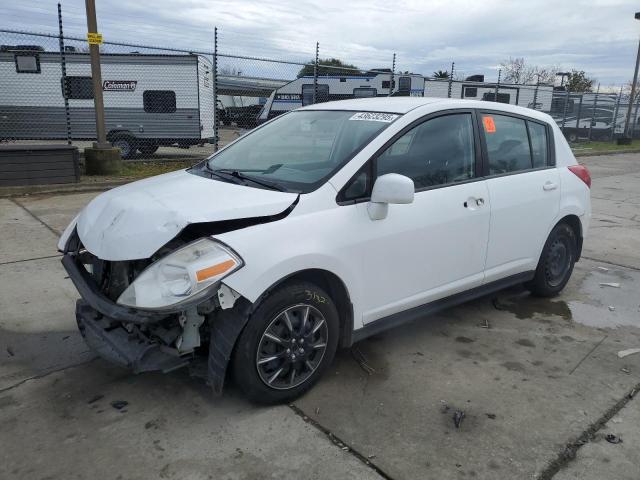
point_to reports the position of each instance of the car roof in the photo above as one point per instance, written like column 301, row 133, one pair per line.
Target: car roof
column 403, row 105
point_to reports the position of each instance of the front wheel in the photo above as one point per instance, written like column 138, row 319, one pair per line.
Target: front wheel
column 556, row 262
column 288, row 343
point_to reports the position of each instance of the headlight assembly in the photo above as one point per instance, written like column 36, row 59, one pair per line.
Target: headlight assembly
column 182, row 276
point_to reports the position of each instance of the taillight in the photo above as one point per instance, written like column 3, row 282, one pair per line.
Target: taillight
column 582, row 173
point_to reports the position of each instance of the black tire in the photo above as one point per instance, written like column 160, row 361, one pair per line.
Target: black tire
column 556, row 262
column 147, row 150
column 252, row 372
column 127, row 145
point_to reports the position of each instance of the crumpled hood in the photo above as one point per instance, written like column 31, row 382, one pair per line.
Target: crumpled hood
column 135, row 220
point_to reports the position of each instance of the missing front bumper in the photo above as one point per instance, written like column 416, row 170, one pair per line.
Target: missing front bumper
column 117, row 345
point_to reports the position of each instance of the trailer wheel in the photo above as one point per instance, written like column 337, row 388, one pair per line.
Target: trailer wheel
column 572, row 137
column 147, row 150
column 126, row 144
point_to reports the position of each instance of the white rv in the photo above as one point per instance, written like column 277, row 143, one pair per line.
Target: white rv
column 471, row 89
column 149, row 100
column 300, row 91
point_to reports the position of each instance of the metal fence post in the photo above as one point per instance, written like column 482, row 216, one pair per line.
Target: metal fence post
column 497, row 85
column 393, row 69
column 453, row 64
column 564, row 113
column 214, row 79
column 593, row 111
column 635, row 117
column 63, row 65
column 614, row 120
column 315, row 73
column 535, row 92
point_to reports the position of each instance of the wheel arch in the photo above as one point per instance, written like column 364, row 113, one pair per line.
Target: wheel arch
column 334, row 286
column 576, row 225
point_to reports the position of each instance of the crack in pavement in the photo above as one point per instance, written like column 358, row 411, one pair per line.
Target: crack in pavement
column 30, row 259
column 47, row 226
column 45, row 374
column 593, row 259
column 570, row 450
column 339, row 442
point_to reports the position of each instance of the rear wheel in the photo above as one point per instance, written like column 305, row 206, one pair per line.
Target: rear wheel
column 126, row 144
column 556, row 262
column 288, row 343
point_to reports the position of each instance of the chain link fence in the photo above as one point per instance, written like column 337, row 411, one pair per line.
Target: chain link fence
column 168, row 103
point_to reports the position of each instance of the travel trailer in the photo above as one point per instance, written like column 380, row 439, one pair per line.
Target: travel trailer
column 300, row 91
column 149, row 100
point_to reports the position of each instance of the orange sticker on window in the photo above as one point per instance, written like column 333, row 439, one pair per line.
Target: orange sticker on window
column 489, row 125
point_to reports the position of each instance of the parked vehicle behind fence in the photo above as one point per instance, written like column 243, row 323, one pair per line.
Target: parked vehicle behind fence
column 320, row 228
column 149, row 100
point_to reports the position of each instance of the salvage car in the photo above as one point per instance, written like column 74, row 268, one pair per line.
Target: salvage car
column 322, row 227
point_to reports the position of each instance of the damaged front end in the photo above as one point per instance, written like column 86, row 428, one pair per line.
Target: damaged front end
column 158, row 314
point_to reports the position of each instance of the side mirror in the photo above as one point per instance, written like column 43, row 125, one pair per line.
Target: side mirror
column 389, row 188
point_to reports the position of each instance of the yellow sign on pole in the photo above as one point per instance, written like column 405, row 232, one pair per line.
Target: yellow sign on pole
column 94, row 38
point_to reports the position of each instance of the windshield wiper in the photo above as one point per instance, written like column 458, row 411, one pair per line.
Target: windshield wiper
column 240, row 176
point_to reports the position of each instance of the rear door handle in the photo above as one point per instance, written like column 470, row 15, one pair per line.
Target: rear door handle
column 549, row 186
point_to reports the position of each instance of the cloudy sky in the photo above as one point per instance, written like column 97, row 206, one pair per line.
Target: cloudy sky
column 599, row 36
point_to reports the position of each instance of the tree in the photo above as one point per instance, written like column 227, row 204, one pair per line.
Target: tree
column 338, row 67
column 516, row 70
column 230, row 71
column 441, row 74
column 579, row 82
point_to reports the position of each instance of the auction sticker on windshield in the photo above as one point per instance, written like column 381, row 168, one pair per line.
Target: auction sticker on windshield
column 375, row 117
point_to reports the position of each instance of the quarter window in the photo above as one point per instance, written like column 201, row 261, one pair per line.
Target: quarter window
column 507, row 144
column 539, row 150
column 436, row 152
column 159, row 101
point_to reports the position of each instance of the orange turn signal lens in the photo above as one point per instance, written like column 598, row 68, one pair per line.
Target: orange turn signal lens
column 214, row 270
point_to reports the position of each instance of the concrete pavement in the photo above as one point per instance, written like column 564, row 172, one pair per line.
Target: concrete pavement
column 536, row 379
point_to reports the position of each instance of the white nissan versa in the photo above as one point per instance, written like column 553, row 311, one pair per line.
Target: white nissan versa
column 321, row 227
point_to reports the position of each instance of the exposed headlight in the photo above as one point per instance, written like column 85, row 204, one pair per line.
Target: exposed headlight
column 181, row 276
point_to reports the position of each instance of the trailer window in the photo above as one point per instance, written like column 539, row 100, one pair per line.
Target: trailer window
column 322, row 94
column 502, row 97
column 159, row 101
column 78, row 88
column 470, row 92
column 365, row 92
column 27, row 63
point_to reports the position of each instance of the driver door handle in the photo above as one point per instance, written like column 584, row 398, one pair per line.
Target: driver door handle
column 549, row 186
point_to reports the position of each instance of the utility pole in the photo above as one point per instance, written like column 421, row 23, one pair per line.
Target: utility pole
column 96, row 74
column 102, row 158
column 628, row 129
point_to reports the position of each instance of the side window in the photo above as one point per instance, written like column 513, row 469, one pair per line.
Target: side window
column 27, row 63
column 507, row 143
column 436, row 152
column 78, row 88
column 539, row 150
column 159, row 101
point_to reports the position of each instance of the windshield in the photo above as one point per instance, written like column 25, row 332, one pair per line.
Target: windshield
column 300, row 150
